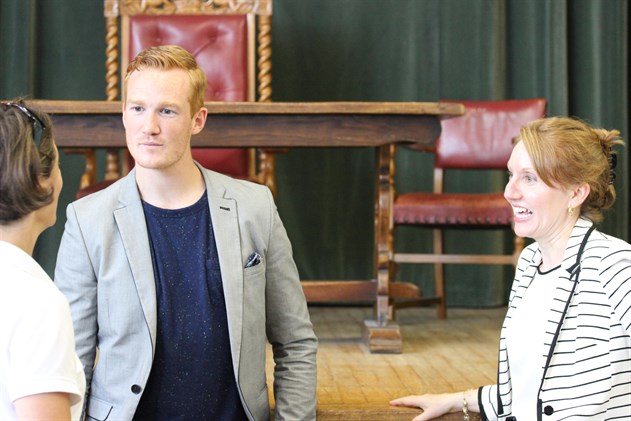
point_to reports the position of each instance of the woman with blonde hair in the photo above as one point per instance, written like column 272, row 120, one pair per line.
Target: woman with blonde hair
column 565, row 345
column 41, row 377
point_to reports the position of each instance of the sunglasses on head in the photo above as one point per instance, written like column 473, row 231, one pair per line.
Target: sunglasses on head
column 38, row 125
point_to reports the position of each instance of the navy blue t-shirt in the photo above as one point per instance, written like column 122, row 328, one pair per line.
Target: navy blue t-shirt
column 192, row 376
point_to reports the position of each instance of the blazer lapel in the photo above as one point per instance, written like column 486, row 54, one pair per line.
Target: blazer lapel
column 130, row 219
column 224, row 217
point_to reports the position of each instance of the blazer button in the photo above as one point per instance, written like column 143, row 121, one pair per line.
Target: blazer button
column 548, row 410
column 135, row 389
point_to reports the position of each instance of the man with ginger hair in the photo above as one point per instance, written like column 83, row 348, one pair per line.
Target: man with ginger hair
column 180, row 276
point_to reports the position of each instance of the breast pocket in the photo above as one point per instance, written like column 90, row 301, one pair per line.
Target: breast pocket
column 98, row 409
column 254, row 277
column 254, row 294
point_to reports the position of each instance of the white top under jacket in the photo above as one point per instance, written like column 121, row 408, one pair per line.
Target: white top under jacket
column 37, row 346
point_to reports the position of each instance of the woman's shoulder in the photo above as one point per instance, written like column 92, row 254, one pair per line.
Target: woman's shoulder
column 606, row 246
column 608, row 259
column 31, row 297
column 531, row 254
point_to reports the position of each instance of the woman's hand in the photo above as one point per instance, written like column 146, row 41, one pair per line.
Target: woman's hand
column 433, row 406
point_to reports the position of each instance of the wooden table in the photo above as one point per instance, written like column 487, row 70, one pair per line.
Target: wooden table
column 379, row 125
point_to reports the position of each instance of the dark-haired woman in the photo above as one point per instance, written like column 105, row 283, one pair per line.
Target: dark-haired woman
column 41, row 377
column 565, row 345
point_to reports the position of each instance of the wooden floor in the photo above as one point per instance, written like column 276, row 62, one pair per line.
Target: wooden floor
column 438, row 356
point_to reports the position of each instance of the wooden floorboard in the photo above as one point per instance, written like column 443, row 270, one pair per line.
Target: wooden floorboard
column 438, row 356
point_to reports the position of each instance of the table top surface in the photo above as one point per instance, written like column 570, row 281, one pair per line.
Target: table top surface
column 98, row 124
column 341, row 107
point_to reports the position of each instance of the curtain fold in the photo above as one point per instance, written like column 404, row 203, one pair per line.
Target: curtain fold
column 18, row 47
column 573, row 53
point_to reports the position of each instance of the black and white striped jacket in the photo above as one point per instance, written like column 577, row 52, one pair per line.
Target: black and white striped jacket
column 589, row 375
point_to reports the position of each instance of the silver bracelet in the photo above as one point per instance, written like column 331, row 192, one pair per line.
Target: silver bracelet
column 465, row 408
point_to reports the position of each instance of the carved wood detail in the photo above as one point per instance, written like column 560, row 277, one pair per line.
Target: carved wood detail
column 264, row 51
column 111, row 58
column 384, row 199
column 183, row 7
column 266, row 157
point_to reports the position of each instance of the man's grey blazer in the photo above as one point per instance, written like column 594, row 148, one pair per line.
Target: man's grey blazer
column 104, row 268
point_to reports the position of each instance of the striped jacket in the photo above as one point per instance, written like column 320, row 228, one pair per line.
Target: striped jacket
column 589, row 374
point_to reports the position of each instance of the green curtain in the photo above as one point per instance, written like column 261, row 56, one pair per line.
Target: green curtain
column 575, row 53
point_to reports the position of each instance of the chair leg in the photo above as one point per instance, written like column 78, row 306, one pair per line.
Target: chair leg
column 439, row 285
column 393, row 268
column 439, row 276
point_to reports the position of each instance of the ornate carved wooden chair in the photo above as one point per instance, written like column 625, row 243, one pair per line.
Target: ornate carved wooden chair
column 480, row 139
column 225, row 37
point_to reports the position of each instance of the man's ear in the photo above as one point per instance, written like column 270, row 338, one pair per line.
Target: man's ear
column 123, row 114
column 199, row 120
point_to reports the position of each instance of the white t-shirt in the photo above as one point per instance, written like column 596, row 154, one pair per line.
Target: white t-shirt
column 37, row 346
column 525, row 343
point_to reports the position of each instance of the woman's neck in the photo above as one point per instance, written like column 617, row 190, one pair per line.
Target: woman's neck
column 553, row 247
column 22, row 233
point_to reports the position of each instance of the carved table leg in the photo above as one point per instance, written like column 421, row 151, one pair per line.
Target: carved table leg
column 383, row 334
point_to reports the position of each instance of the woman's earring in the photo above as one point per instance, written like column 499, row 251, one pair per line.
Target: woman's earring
column 570, row 211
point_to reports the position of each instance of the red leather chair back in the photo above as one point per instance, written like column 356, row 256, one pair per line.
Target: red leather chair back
column 219, row 43
column 483, row 137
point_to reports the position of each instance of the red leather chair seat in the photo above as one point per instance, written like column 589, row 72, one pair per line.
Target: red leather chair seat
column 232, row 162
column 452, row 209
